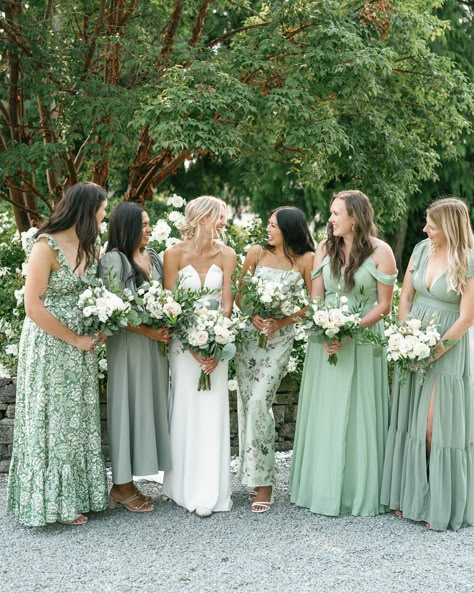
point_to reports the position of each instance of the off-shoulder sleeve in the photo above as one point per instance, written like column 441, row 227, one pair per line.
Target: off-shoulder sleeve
column 388, row 279
column 470, row 269
column 111, row 270
column 319, row 270
column 418, row 253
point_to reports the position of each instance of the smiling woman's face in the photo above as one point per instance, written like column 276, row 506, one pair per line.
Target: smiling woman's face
column 340, row 220
column 146, row 230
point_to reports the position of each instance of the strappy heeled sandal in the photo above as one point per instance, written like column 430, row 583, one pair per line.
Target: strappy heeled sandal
column 252, row 494
column 145, row 507
column 79, row 520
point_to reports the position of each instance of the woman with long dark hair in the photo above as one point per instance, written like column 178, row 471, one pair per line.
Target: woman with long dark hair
column 137, row 374
column 342, row 417
column 57, row 471
column 429, row 463
column 287, row 255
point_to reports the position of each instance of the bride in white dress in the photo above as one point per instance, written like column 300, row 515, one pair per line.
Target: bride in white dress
column 199, row 420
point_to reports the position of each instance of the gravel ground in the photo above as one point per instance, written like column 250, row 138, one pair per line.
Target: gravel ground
column 285, row 550
column 288, row 549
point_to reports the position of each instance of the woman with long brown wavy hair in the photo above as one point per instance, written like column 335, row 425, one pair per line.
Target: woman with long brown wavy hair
column 343, row 410
column 429, row 464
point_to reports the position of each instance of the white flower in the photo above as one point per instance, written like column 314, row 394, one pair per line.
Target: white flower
column 232, row 385
column 292, row 365
column 103, row 228
column 4, row 271
column 172, row 309
column 172, row 241
column 343, row 300
column 161, row 231
column 198, row 338
column 176, row 218
column 103, row 364
column 88, row 311
column 12, row 350
column 19, row 294
column 176, row 201
column 26, row 238
column 413, row 324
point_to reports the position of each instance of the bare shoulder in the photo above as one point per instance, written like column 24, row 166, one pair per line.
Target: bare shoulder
column 306, row 260
column 41, row 248
column 229, row 254
column 382, row 250
column 321, row 248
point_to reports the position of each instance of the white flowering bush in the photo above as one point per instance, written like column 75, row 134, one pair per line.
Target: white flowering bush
column 106, row 312
column 166, row 231
column 271, row 299
column 411, row 344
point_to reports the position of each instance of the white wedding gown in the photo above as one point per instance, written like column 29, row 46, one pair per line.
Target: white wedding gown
column 199, row 422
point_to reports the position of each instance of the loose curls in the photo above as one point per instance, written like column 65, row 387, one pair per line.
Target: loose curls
column 198, row 209
column 78, row 209
column 357, row 205
column 452, row 217
column 297, row 238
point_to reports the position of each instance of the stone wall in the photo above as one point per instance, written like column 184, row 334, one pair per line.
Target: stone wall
column 284, row 411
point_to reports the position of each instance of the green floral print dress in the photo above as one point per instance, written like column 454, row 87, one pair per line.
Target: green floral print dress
column 57, row 470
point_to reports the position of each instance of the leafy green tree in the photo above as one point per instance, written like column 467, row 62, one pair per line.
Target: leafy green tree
column 317, row 94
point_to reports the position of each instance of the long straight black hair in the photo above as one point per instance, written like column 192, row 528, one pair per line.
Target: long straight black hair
column 78, row 208
column 125, row 233
column 297, row 238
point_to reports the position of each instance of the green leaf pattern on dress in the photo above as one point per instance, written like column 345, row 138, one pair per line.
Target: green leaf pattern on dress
column 57, row 469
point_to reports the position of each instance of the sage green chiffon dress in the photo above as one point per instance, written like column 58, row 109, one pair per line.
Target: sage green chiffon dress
column 342, row 417
column 441, row 491
column 57, row 470
column 259, row 374
column 137, row 388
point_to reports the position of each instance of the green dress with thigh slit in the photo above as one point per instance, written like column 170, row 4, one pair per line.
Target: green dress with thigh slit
column 440, row 492
column 342, row 417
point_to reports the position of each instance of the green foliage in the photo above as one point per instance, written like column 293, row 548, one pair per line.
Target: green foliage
column 307, row 98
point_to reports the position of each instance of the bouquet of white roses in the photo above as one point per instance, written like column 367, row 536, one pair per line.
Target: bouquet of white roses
column 271, row 299
column 106, row 312
column 411, row 344
column 209, row 333
column 332, row 320
column 158, row 308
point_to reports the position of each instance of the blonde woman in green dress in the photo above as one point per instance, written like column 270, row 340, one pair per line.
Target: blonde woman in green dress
column 342, row 417
column 57, row 471
column 289, row 252
column 429, row 463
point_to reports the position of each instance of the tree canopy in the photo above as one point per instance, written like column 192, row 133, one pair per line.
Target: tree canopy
column 326, row 93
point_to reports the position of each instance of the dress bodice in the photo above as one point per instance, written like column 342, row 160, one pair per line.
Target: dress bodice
column 439, row 295
column 364, row 291
column 64, row 288
column 275, row 274
column 188, row 277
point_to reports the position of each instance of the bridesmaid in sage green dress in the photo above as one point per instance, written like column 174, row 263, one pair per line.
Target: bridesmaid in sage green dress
column 429, row 462
column 137, row 374
column 57, row 471
column 288, row 254
column 342, row 417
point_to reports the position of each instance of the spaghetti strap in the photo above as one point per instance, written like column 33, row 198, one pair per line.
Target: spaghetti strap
column 259, row 255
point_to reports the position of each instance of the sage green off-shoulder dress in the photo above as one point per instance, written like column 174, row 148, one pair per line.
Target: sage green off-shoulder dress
column 57, row 470
column 441, row 491
column 342, row 417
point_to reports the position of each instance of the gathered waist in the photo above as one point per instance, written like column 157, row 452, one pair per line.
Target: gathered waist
column 437, row 304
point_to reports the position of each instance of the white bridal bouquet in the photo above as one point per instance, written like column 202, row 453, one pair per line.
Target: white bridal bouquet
column 106, row 312
column 411, row 344
column 207, row 332
column 333, row 319
column 157, row 307
column 271, row 299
